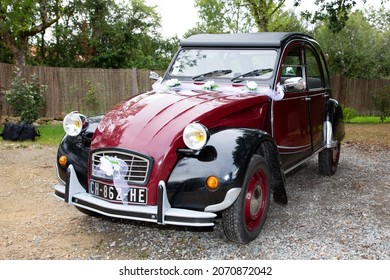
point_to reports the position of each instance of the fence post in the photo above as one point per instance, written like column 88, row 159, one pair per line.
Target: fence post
column 134, row 82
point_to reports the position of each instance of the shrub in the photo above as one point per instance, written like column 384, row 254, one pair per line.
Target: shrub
column 349, row 114
column 26, row 97
column 91, row 98
column 382, row 102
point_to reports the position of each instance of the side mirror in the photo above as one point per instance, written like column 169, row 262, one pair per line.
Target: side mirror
column 295, row 83
column 154, row 76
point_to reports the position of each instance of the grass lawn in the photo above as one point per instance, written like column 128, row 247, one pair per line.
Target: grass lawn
column 50, row 135
column 368, row 120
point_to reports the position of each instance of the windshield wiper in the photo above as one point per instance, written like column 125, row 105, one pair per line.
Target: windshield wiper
column 215, row 73
column 256, row 72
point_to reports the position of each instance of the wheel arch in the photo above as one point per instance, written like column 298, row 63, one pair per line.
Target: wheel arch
column 233, row 149
column 334, row 123
column 269, row 151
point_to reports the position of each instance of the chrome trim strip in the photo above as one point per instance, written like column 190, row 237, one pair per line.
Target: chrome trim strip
column 58, row 175
column 295, row 147
column 303, row 161
column 321, row 92
column 302, row 97
column 73, row 186
column 329, row 142
column 76, row 195
column 230, row 198
column 163, row 203
column 59, row 191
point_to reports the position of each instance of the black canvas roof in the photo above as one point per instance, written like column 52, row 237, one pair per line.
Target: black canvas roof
column 260, row 39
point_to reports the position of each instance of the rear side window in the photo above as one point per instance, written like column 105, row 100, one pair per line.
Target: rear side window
column 313, row 70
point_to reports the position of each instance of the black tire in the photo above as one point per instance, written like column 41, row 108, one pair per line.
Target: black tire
column 328, row 160
column 243, row 221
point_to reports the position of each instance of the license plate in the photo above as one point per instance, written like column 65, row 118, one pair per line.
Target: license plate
column 106, row 191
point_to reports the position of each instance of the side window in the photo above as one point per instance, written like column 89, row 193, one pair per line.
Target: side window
column 292, row 76
column 314, row 77
column 325, row 72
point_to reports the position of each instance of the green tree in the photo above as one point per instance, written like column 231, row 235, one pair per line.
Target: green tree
column 333, row 13
column 21, row 20
column 109, row 34
column 221, row 16
column 265, row 12
column 379, row 19
column 5, row 55
column 101, row 33
column 352, row 51
column 224, row 16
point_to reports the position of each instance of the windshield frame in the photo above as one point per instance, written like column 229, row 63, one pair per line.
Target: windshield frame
column 240, row 52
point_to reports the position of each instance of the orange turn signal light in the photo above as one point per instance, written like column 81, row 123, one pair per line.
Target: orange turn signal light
column 212, row 182
column 63, row 160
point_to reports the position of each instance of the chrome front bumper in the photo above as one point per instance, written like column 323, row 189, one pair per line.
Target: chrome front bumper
column 74, row 194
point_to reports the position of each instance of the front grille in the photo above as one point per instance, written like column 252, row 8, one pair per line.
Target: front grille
column 138, row 166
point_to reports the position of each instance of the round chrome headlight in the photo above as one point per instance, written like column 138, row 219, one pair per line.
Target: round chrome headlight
column 195, row 136
column 74, row 123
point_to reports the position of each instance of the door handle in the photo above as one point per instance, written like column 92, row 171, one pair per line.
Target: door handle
column 307, row 98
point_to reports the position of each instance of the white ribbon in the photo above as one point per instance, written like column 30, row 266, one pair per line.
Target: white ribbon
column 265, row 90
column 117, row 169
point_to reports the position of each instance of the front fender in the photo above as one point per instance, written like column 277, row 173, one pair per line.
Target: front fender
column 76, row 149
column 334, row 124
column 226, row 156
column 77, row 155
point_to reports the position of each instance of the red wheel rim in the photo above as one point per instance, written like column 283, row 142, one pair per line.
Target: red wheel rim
column 255, row 200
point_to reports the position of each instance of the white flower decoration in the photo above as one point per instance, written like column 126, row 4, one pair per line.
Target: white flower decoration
column 110, row 164
column 173, row 83
column 251, row 85
column 210, row 85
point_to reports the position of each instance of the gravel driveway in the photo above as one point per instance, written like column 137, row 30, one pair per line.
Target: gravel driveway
column 341, row 217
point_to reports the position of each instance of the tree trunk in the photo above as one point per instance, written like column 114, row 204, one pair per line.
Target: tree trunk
column 19, row 57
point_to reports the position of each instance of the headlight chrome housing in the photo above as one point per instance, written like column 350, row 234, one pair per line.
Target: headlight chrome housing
column 74, row 123
column 195, row 136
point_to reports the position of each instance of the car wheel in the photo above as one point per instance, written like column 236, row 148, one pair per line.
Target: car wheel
column 328, row 160
column 243, row 221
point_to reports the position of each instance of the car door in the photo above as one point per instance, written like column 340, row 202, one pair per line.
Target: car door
column 291, row 127
column 298, row 118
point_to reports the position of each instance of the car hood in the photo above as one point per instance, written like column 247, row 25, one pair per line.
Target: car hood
column 153, row 123
column 153, row 119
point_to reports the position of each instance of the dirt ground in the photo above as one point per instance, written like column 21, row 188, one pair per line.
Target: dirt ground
column 34, row 224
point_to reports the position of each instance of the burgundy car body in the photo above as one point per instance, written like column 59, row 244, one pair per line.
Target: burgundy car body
column 279, row 127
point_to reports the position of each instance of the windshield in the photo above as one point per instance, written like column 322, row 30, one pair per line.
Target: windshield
column 196, row 62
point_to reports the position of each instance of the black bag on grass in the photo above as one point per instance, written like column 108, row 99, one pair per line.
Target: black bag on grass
column 19, row 132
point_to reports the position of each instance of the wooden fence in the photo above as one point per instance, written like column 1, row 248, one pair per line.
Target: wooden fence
column 357, row 93
column 78, row 89
column 97, row 90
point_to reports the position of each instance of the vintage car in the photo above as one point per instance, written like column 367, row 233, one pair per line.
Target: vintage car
column 213, row 139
